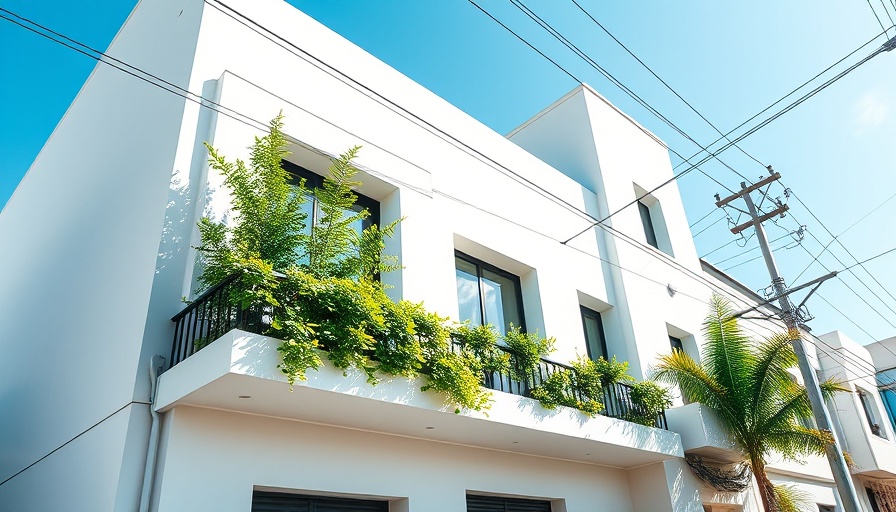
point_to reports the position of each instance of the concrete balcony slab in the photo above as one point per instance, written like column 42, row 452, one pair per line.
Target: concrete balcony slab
column 238, row 372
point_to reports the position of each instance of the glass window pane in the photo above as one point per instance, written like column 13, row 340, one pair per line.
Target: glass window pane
column 501, row 305
column 359, row 224
column 676, row 343
column 594, row 334
column 468, row 299
column 649, row 232
column 889, row 397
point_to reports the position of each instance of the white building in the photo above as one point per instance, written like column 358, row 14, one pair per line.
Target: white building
column 103, row 226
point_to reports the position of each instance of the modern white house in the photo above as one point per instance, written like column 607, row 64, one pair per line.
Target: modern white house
column 108, row 405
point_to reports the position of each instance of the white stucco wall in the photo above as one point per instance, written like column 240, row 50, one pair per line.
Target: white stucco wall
column 105, row 220
column 85, row 223
column 200, row 474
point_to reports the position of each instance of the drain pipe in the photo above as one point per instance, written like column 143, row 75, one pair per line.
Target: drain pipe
column 155, row 365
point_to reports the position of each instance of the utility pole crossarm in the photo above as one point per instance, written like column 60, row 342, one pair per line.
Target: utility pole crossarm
column 817, row 282
column 774, row 213
column 746, row 190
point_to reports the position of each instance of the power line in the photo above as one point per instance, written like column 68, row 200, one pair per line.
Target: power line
column 820, row 296
column 669, row 87
column 885, row 319
column 888, row 251
column 263, row 126
column 889, row 45
column 711, row 225
column 876, row 16
column 836, row 238
column 618, row 83
column 878, row 207
column 750, row 250
column 849, row 268
column 886, row 11
column 714, row 210
column 807, row 82
column 205, row 103
column 726, row 244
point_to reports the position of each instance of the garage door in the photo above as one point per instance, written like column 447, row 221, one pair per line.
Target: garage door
column 497, row 504
column 284, row 502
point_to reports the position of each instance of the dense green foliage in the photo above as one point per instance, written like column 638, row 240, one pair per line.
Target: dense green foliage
column 318, row 284
column 526, row 350
column 748, row 385
column 582, row 387
column 327, row 295
column 650, row 399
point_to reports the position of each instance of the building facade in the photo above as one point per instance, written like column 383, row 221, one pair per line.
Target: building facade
column 104, row 226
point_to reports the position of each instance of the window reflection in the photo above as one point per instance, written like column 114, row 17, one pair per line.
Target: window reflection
column 487, row 295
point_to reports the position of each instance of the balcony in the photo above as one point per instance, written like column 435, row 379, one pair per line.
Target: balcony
column 702, row 433
column 211, row 316
column 219, row 359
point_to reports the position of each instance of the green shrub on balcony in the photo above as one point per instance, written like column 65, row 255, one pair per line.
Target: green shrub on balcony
column 318, row 282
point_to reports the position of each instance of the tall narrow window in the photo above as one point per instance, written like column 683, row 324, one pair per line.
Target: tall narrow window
column 868, row 406
column 595, row 340
column 487, row 294
column 647, row 222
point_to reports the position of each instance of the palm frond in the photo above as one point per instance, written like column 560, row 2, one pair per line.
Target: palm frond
column 692, row 379
column 774, row 357
column 790, row 498
column 797, row 441
column 727, row 357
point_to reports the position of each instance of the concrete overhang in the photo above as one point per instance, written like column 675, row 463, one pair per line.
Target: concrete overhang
column 238, row 372
column 702, row 433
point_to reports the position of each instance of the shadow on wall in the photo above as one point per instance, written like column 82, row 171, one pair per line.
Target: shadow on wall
column 260, row 358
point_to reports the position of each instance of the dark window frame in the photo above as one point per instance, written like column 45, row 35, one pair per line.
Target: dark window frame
column 266, row 501
column 482, row 265
column 647, row 223
column 482, row 503
column 588, row 312
column 314, row 181
column 868, row 407
column 676, row 343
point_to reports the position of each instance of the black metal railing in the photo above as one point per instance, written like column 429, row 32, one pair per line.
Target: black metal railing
column 213, row 314
column 616, row 397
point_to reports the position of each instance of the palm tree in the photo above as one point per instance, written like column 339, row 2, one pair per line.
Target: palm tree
column 747, row 384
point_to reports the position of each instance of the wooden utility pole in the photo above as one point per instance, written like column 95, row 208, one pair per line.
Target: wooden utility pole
column 791, row 317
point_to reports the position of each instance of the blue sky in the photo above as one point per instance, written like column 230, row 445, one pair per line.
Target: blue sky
column 730, row 60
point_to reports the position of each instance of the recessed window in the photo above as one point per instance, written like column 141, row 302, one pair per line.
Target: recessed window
column 487, row 294
column 263, row 501
column 647, row 222
column 870, row 412
column 476, row 503
column 675, row 343
column 313, row 183
column 595, row 340
column 653, row 222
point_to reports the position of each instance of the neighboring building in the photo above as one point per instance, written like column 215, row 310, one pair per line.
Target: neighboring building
column 103, row 227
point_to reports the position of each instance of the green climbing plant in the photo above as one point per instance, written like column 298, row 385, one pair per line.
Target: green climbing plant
column 318, row 283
